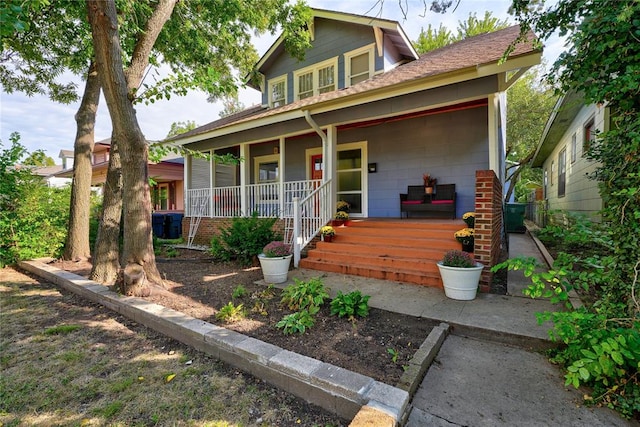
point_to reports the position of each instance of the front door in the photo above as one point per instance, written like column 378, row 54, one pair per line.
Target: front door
column 351, row 175
column 316, row 166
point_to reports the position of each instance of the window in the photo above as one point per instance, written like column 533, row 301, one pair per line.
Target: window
column 588, row 137
column 266, row 168
column 562, row 171
column 359, row 65
column 278, row 91
column 320, row 78
column 553, row 171
column 574, row 147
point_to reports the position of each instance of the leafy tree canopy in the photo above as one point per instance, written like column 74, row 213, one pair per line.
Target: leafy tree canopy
column 181, row 127
column 39, row 158
column 434, row 38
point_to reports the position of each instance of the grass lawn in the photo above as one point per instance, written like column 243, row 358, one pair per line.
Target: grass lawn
column 66, row 361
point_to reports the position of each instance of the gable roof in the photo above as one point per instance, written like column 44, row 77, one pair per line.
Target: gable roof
column 391, row 29
column 563, row 114
column 470, row 54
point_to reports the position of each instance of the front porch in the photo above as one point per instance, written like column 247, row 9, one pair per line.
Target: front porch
column 402, row 250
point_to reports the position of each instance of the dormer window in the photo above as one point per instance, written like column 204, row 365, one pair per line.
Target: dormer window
column 359, row 65
column 278, row 91
column 317, row 79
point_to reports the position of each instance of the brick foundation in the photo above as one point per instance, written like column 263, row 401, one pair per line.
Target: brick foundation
column 488, row 223
column 210, row 227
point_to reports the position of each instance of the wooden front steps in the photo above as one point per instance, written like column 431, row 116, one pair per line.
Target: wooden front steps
column 398, row 250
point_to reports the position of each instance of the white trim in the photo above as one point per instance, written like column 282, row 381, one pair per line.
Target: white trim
column 274, row 81
column 364, row 189
column 315, row 76
column 308, row 153
column 271, row 158
column 370, row 49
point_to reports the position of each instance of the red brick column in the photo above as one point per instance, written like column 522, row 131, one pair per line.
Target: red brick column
column 488, row 223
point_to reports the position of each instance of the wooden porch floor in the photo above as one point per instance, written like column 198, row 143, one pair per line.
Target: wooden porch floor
column 404, row 250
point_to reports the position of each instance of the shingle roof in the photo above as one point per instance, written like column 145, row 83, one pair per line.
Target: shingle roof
column 472, row 52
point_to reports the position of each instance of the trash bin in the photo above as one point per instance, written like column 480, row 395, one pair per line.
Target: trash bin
column 515, row 217
column 173, row 225
column 157, row 224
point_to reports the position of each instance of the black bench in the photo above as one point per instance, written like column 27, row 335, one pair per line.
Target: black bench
column 442, row 201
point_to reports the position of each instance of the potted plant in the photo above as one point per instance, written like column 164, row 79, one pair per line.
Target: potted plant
column 429, row 183
column 466, row 237
column 274, row 261
column 340, row 218
column 327, row 232
column 343, row 206
column 470, row 219
column 460, row 275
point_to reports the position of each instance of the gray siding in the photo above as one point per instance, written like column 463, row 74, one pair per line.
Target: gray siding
column 331, row 39
column 449, row 146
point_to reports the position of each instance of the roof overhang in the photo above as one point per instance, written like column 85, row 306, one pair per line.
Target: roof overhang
column 563, row 114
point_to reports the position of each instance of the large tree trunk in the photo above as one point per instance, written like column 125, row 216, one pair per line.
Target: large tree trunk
column 138, row 252
column 106, row 263
column 77, row 242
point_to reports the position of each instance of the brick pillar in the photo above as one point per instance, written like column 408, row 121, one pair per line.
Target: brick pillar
column 488, row 223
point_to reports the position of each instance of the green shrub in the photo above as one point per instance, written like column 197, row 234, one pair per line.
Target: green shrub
column 231, row 313
column 239, row 292
column 304, row 295
column 350, row 305
column 297, row 322
column 33, row 216
column 244, row 239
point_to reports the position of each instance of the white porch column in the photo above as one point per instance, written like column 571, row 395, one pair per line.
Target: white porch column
column 281, row 165
column 186, row 186
column 329, row 153
column 212, row 181
column 494, row 139
column 244, row 178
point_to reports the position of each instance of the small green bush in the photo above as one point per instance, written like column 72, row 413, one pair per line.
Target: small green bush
column 231, row 313
column 297, row 322
column 239, row 292
column 350, row 305
column 244, row 239
column 304, row 295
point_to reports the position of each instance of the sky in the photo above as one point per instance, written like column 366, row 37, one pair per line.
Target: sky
column 51, row 126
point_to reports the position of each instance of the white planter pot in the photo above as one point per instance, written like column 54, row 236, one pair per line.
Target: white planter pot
column 275, row 270
column 460, row 283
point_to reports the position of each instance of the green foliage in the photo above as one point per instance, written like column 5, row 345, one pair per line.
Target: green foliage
column 350, row 305
column 231, row 313
column 33, row 217
column 305, row 295
column 436, row 38
column 243, row 239
column 239, row 292
column 601, row 341
column 181, row 127
column 394, row 354
column 602, row 353
column 297, row 322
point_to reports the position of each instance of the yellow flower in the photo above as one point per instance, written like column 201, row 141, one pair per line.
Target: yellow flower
column 327, row 230
column 465, row 232
column 469, row 215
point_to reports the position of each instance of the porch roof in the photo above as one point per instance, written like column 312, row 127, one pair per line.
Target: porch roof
column 471, row 58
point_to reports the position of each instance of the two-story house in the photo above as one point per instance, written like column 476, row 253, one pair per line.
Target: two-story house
column 359, row 119
column 561, row 154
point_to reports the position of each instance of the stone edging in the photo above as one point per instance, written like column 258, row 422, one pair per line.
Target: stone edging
column 345, row 393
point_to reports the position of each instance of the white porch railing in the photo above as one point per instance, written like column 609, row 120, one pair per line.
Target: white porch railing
column 310, row 214
column 267, row 200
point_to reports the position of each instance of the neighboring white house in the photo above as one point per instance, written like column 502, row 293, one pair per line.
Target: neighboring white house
column 561, row 154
